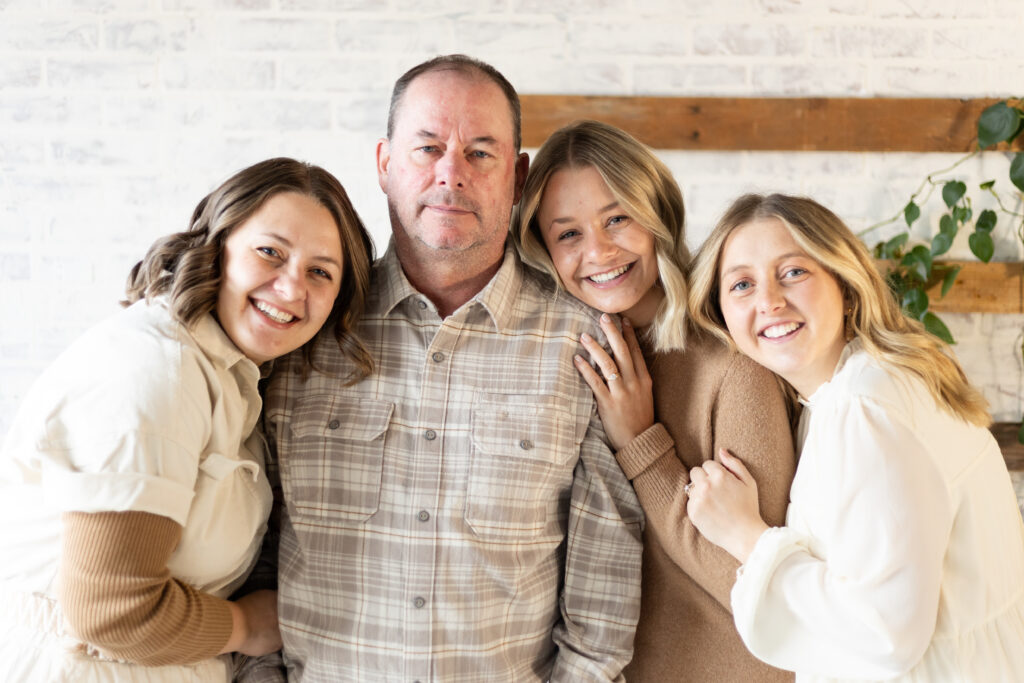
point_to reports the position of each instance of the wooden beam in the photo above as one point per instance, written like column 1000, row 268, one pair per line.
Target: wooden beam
column 762, row 123
column 982, row 288
column 1013, row 451
column 996, row 287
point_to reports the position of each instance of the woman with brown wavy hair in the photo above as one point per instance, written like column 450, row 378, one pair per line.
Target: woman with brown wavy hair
column 132, row 487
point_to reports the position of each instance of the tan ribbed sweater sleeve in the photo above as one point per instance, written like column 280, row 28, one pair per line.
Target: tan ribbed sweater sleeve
column 738, row 406
column 117, row 594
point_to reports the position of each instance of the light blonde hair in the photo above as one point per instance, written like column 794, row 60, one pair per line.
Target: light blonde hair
column 186, row 266
column 644, row 188
column 874, row 316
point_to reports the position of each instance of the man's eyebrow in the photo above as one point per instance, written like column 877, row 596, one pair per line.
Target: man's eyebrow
column 480, row 139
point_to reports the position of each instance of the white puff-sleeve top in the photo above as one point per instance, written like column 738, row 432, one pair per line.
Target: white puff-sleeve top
column 139, row 414
column 903, row 554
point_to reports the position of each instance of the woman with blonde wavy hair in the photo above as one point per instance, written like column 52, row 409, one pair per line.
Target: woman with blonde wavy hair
column 903, row 549
column 132, row 486
column 604, row 217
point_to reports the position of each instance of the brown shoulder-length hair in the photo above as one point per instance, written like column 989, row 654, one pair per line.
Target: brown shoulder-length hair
column 186, row 266
column 873, row 314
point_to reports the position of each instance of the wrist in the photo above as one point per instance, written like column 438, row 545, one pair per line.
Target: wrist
column 745, row 541
column 238, row 629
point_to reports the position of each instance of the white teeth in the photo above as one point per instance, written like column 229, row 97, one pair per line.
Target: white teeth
column 776, row 331
column 273, row 313
column 610, row 275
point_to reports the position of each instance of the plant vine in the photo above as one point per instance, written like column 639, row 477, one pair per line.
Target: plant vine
column 913, row 268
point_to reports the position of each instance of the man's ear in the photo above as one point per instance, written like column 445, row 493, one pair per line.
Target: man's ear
column 522, row 167
column 383, row 159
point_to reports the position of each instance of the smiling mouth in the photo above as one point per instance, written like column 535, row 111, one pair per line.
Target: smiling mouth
column 275, row 314
column 601, row 278
column 781, row 330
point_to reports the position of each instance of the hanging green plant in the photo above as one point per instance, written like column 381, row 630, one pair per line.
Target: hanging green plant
column 913, row 269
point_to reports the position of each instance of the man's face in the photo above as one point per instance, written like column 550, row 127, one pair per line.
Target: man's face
column 450, row 170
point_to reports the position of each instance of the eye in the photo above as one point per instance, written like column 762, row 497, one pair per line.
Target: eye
column 479, row 154
column 618, row 220
column 741, row 286
column 794, row 272
column 269, row 251
column 320, row 272
column 568, row 234
column 427, row 149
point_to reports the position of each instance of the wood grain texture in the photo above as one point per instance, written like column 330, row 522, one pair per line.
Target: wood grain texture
column 763, row 123
column 1006, row 436
column 982, row 288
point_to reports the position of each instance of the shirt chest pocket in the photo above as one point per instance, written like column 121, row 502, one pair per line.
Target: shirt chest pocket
column 521, row 465
column 333, row 464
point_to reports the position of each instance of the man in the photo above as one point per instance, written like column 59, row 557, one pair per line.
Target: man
column 457, row 516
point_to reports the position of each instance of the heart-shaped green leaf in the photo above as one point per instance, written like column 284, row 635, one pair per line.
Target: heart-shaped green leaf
column 952, row 192
column 981, row 245
column 941, row 243
column 1017, row 171
column 911, row 212
column 933, row 324
column 986, row 221
column 948, row 226
column 915, row 303
column 949, row 279
column 996, row 124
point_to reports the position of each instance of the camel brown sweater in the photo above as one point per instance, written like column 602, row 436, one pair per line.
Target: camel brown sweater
column 117, row 594
column 705, row 398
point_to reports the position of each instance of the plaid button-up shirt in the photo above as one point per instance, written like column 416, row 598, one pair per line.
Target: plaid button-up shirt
column 457, row 516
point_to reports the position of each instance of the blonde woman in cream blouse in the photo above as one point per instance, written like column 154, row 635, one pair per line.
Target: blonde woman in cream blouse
column 133, row 497
column 902, row 557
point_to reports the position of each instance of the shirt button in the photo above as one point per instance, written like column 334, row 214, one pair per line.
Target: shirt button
column 418, row 602
column 430, row 435
column 438, row 356
column 526, row 444
column 333, row 424
column 423, row 516
column 422, row 305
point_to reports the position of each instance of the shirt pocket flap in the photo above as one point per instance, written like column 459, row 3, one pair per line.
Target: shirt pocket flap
column 326, row 417
column 534, row 431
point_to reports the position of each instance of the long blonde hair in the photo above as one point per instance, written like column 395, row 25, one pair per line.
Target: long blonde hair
column 642, row 185
column 186, row 266
column 874, row 316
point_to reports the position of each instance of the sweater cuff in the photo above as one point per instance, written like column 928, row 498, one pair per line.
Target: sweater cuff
column 645, row 448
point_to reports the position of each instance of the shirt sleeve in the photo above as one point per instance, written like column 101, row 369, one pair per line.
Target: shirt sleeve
column 860, row 599
column 117, row 594
column 126, row 428
column 600, row 602
column 751, row 420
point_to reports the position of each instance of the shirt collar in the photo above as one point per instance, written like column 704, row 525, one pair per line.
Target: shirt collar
column 216, row 344
column 497, row 297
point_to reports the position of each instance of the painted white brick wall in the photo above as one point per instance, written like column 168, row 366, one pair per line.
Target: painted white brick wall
column 116, row 116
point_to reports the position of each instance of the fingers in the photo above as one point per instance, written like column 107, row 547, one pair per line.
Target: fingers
column 605, row 362
column 623, row 357
column 590, row 376
column 635, row 354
